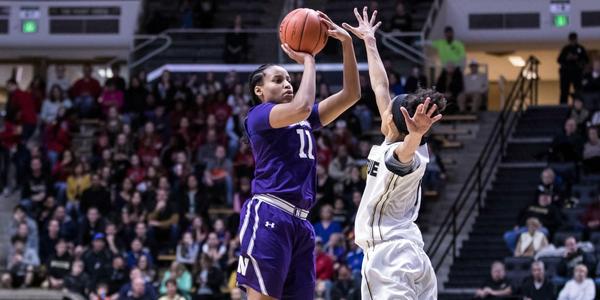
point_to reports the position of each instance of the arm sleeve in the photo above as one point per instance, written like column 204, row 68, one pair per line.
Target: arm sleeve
column 313, row 118
column 258, row 118
column 397, row 167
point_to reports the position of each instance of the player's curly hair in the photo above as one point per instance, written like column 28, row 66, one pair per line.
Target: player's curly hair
column 412, row 101
column 256, row 78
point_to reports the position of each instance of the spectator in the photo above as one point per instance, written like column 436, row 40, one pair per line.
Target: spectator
column 415, row 81
column 51, row 105
column 218, row 175
column 401, row 20
column 136, row 252
column 97, row 260
column 236, row 43
column 21, row 263
column 114, row 240
column 341, row 166
column 36, row 187
column 56, row 136
column 139, row 291
column 206, row 13
column 59, row 79
column 111, row 97
column 163, row 220
column 77, row 281
column 22, row 107
column 537, row 286
column 208, row 278
column 344, row 286
column 85, row 91
column 532, row 241
column 572, row 59
column 579, row 113
column 171, row 293
column 163, row 89
column 146, row 269
column 591, row 151
column 476, row 88
column 116, row 79
column 187, row 250
column 48, row 240
column 580, row 287
column 58, row 265
column 449, row 49
column 590, row 87
column 591, row 217
column 326, row 226
column 191, row 202
column 450, row 83
column 77, row 183
column 544, row 211
column 91, row 227
column 495, row 286
column 214, row 248
column 435, row 171
column 324, row 263
column 396, row 87
column 573, row 256
column 32, row 241
column 118, row 275
column 567, row 146
column 10, row 141
column 183, row 278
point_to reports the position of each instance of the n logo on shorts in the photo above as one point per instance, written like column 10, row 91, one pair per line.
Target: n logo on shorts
column 243, row 265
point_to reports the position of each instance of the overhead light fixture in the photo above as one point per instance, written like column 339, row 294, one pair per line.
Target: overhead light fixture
column 516, row 61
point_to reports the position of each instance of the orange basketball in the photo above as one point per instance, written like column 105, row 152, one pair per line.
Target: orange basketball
column 302, row 31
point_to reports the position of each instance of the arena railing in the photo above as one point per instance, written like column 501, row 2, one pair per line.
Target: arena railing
column 524, row 92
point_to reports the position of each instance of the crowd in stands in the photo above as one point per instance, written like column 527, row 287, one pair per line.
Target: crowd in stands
column 151, row 207
column 556, row 235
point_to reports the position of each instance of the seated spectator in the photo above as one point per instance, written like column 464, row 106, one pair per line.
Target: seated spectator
column 579, row 113
column 172, row 292
column 221, row 231
column 90, row 226
column 59, row 265
column 236, row 43
column 415, row 81
column 146, row 269
column 344, row 287
column 341, row 166
column 214, row 249
column 496, row 286
column 324, row 263
column 532, row 241
column 326, row 226
column 218, row 175
column 187, row 250
column 591, row 151
column 77, row 183
column 552, row 185
column 401, row 20
column 84, row 92
column 591, row 217
column 435, row 171
column 77, row 281
column 21, row 264
column 567, row 146
column 544, row 211
column 21, row 106
column 336, row 247
column 114, row 239
column 476, row 88
column 573, row 256
column 180, row 274
column 59, row 79
column 163, row 220
column 354, row 257
column 537, row 286
column 48, row 240
column 20, row 217
column 580, row 287
column 450, row 83
column 36, row 187
column 55, row 101
column 31, row 240
column 118, row 275
column 133, row 289
column 136, row 252
column 97, row 260
column 590, row 86
column 449, row 49
column 208, row 278
column 396, row 87
column 96, row 196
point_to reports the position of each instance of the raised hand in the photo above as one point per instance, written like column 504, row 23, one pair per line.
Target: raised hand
column 422, row 120
column 366, row 27
column 296, row 56
column 334, row 31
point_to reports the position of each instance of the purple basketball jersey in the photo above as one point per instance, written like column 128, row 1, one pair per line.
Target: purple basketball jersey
column 285, row 157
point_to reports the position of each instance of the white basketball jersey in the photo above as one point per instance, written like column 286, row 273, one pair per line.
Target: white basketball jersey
column 390, row 203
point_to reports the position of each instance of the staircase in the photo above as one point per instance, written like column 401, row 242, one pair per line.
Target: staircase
column 512, row 189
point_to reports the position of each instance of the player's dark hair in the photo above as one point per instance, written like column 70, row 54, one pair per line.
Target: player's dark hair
column 410, row 103
column 256, row 78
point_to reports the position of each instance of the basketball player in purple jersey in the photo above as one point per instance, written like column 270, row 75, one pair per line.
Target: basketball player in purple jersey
column 277, row 242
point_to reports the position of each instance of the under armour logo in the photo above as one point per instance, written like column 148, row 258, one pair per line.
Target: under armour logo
column 269, row 224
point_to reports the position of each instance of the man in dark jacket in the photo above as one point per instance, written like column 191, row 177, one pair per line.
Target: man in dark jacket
column 572, row 60
column 97, row 260
column 537, row 286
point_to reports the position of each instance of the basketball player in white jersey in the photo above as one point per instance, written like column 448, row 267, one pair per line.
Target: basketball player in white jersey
column 395, row 265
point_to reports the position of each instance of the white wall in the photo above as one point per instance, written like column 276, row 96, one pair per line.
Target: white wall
column 457, row 14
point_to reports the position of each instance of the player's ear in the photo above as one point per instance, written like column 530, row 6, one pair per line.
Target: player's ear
column 258, row 91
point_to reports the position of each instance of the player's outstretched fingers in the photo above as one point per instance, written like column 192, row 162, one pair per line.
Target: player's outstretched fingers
column 358, row 17
column 372, row 22
column 431, row 110
column 404, row 112
column 436, row 118
column 365, row 15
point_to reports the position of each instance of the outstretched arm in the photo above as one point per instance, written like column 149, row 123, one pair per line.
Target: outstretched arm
column 417, row 126
column 379, row 81
column 334, row 105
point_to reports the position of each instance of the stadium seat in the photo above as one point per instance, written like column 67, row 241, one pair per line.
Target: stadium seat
column 550, row 265
column 518, row 263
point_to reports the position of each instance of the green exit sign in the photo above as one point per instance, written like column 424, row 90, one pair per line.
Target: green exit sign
column 560, row 20
column 30, row 26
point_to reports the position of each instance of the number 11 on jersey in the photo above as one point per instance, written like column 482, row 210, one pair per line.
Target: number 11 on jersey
column 305, row 133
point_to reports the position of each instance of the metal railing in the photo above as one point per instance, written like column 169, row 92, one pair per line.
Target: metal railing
column 470, row 198
column 396, row 41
